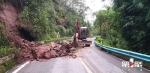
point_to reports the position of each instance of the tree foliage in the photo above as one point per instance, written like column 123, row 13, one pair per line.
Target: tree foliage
column 107, row 28
column 134, row 23
column 45, row 15
column 128, row 24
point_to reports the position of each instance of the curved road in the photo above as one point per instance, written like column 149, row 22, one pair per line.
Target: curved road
column 89, row 60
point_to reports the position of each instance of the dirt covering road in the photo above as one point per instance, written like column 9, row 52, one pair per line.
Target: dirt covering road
column 88, row 60
column 29, row 50
column 39, row 51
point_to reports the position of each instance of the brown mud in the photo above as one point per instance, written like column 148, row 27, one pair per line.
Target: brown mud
column 29, row 50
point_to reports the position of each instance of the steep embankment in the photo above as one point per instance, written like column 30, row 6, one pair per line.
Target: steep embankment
column 8, row 16
column 28, row 50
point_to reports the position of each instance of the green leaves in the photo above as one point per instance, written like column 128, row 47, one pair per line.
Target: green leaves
column 46, row 14
column 4, row 67
column 99, row 39
column 4, row 50
column 24, row 16
column 138, row 3
column 134, row 24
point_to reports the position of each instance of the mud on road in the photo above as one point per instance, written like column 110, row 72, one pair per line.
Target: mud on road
column 28, row 50
column 37, row 51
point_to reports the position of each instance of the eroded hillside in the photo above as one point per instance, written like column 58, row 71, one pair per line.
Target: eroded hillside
column 24, row 22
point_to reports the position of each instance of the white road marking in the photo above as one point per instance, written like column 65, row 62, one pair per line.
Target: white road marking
column 146, row 69
column 21, row 67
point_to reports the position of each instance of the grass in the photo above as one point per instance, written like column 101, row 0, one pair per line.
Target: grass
column 54, row 39
column 11, row 63
column 106, row 42
column 7, row 65
column 4, row 51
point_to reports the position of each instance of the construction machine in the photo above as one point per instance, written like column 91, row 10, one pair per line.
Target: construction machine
column 80, row 35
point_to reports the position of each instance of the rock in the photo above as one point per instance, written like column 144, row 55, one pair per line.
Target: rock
column 53, row 44
column 74, row 56
column 72, row 49
column 60, row 42
column 42, row 42
column 70, row 54
column 32, row 44
column 65, row 42
column 65, row 46
column 40, row 50
column 53, row 54
column 47, row 55
column 57, row 47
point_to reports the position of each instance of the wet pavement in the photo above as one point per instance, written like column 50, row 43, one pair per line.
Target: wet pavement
column 89, row 60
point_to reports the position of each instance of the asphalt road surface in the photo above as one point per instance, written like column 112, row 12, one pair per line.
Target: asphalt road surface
column 89, row 60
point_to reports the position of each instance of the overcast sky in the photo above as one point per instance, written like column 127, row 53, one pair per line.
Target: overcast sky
column 95, row 5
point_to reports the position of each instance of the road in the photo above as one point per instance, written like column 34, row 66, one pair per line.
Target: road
column 89, row 60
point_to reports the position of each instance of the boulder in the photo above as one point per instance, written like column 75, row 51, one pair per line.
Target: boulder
column 53, row 54
column 47, row 55
column 40, row 51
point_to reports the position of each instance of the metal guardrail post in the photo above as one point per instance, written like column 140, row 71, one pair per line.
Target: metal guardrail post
column 107, row 51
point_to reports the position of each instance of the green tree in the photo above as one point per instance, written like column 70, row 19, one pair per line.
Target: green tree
column 108, row 28
column 133, row 22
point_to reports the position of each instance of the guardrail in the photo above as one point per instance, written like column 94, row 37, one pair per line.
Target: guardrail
column 125, row 52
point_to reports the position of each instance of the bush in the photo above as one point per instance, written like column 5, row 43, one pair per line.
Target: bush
column 99, row 39
column 54, row 39
column 5, row 50
column 53, row 34
column 62, row 31
column 7, row 65
column 3, row 40
column 47, row 37
column 2, row 69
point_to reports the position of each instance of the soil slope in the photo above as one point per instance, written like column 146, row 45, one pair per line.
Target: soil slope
column 29, row 50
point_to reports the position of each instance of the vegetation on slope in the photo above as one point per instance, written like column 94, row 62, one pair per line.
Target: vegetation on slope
column 46, row 14
column 126, row 25
column 107, row 28
column 44, row 18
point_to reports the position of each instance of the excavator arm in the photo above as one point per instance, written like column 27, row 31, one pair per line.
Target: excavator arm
column 77, row 29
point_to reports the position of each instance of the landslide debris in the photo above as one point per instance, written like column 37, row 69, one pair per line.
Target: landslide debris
column 36, row 51
column 29, row 50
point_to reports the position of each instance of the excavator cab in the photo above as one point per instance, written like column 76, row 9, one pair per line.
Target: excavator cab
column 83, row 33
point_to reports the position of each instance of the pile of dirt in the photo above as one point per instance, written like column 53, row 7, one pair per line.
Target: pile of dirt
column 29, row 50
column 37, row 51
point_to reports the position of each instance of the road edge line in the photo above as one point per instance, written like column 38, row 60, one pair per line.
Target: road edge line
column 145, row 69
column 21, row 67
